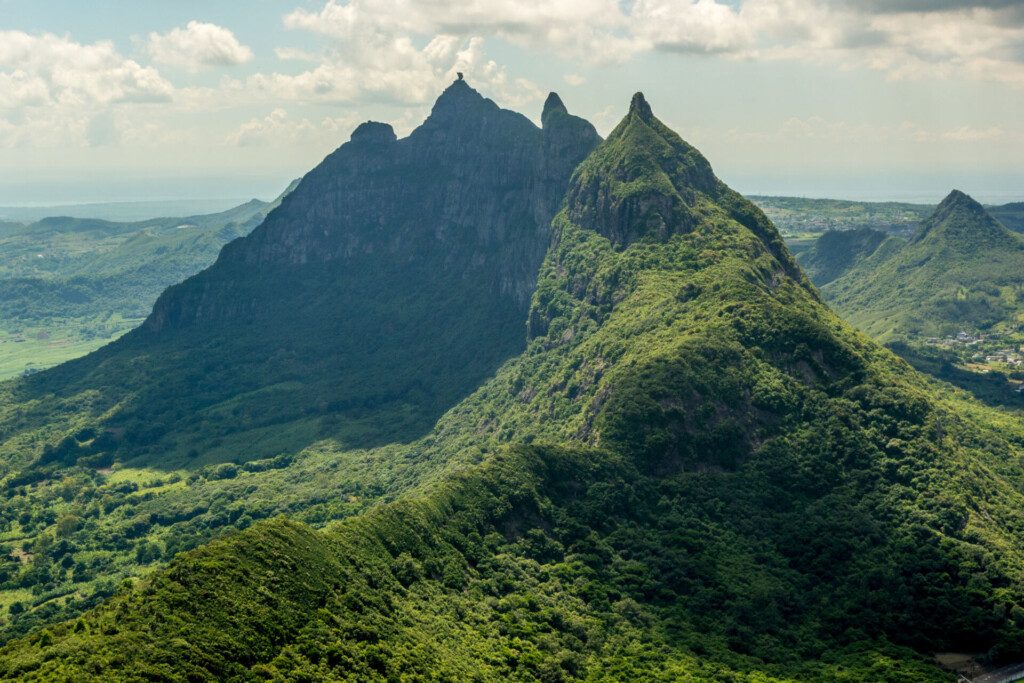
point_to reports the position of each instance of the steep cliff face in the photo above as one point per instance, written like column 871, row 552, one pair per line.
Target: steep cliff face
column 468, row 196
column 393, row 280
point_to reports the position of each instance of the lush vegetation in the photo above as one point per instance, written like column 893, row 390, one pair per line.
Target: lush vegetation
column 70, row 285
column 694, row 471
column 961, row 271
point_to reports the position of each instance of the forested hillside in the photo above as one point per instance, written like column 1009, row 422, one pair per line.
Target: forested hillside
column 691, row 469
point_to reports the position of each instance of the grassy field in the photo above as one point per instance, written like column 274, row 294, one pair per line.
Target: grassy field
column 37, row 348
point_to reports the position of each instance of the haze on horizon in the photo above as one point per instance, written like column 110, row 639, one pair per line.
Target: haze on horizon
column 877, row 99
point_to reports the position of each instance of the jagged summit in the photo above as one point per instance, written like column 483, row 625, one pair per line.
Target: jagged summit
column 638, row 106
column 404, row 267
column 553, row 106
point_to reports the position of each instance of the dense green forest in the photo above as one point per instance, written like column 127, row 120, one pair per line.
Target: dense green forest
column 687, row 468
column 70, row 285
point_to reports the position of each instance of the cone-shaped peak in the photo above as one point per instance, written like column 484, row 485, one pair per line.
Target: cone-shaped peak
column 960, row 216
column 956, row 198
column 553, row 106
column 957, row 202
column 639, row 106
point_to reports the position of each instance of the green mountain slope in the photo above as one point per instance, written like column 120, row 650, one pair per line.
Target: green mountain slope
column 69, row 285
column 1011, row 215
column 834, row 253
column 961, row 271
column 694, row 471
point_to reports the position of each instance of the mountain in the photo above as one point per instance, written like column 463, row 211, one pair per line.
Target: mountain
column 691, row 470
column 386, row 287
column 960, row 271
column 1011, row 215
column 393, row 278
column 69, row 285
column 837, row 251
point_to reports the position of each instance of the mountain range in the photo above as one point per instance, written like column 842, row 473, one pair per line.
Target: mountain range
column 537, row 406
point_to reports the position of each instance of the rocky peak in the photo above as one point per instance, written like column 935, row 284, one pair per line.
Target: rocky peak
column 459, row 103
column 469, row 195
column 639, row 108
column 646, row 183
column 374, row 132
column 553, row 106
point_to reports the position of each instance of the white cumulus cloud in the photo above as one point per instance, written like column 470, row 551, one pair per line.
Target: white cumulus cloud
column 197, row 46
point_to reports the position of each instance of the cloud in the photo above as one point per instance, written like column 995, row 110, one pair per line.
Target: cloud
column 198, row 46
column 905, row 39
column 379, row 54
column 49, row 69
column 52, row 88
column 279, row 129
column 580, row 28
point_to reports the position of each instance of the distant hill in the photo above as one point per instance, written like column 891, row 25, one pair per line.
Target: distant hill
column 962, row 270
column 68, row 285
column 948, row 300
column 122, row 212
column 1010, row 215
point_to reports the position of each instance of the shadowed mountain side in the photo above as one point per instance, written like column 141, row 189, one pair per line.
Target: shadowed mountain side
column 837, row 251
column 384, row 288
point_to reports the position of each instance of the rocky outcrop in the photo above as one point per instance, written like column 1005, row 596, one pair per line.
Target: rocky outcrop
column 469, row 195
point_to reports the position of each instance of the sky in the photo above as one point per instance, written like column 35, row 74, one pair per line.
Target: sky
column 154, row 100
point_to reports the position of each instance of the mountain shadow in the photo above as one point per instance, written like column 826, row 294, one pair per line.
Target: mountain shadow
column 386, row 286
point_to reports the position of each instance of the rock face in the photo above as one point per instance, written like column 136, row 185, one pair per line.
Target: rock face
column 394, row 279
column 468, row 195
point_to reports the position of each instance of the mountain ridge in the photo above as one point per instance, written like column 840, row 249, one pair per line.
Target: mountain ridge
column 693, row 471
